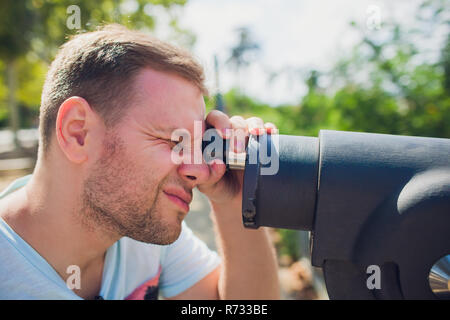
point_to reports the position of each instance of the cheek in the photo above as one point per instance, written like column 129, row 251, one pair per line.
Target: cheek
column 157, row 162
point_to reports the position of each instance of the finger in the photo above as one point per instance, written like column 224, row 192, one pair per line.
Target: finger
column 255, row 126
column 217, row 170
column 220, row 121
column 238, row 122
column 271, row 128
column 239, row 134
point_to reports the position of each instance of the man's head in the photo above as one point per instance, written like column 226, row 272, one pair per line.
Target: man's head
column 100, row 67
column 110, row 102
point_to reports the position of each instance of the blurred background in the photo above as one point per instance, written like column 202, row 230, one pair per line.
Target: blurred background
column 305, row 65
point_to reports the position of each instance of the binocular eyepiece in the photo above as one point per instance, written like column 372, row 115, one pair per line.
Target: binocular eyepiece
column 271, row 162
column 213, row 149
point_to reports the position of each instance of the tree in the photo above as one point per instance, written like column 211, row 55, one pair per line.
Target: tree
column 32, row 30
column 244, row 52
column 15, row 35
column 391, row 83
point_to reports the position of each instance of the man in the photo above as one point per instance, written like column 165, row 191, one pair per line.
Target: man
column 106, row 202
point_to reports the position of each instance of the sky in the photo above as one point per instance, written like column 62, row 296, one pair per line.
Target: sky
column 292, row 34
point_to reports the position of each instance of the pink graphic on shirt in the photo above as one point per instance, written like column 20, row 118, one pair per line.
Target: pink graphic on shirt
column 148, row 290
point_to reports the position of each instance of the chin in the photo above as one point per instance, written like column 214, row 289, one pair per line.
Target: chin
column 172, row 236
column 176, row 230
column 162, row 236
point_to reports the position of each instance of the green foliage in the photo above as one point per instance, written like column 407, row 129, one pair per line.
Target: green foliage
column 32, row 30
column 3, row 89
column 289, row 243
column 16, row 28
column 31, row 79
column 382, row 86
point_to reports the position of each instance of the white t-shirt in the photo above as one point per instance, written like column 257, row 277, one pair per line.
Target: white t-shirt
column 132, row 269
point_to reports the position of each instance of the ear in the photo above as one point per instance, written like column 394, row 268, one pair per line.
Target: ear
column 76, row 123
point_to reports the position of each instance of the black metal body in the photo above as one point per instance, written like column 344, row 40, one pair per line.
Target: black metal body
column 368, row 199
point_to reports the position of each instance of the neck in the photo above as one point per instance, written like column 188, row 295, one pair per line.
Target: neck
column 48, row 214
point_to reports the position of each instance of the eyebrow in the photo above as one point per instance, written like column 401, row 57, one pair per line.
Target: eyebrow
column 168, row 131
column 161, row 129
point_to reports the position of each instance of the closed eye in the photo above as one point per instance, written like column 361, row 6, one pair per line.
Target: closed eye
column 174, row 142
column 171, row 142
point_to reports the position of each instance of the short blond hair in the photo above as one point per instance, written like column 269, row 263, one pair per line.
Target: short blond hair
column 100, row 66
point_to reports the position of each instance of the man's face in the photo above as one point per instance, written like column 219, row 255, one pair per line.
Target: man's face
column 135, row 189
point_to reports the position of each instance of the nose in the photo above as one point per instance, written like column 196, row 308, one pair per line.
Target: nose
column 194, row 169
column 194, row 174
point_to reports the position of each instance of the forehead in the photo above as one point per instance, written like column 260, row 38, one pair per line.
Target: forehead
column 165, row 102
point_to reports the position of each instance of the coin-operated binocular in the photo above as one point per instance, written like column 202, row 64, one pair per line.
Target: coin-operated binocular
column 377, row 207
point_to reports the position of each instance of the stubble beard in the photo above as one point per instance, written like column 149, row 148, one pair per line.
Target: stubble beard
column 117, row 203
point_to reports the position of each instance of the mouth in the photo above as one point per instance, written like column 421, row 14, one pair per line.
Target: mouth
column 180, row 198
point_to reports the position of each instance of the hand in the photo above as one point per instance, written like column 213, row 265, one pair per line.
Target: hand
column 224, row 186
